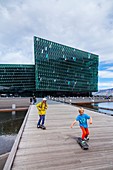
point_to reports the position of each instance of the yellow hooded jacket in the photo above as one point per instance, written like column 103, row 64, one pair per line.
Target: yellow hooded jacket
column 42, row 108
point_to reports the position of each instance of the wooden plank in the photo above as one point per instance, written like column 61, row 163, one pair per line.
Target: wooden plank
column 56, row 148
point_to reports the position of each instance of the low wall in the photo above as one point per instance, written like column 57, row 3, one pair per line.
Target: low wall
column 3, row 159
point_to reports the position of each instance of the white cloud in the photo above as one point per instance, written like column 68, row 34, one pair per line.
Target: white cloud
column 110, row 68
column 106, row 74
column 15, row 58
column 106, row 85
column 87, row 25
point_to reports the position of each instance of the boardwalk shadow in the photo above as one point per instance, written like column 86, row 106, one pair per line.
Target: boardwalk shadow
column 72, row 137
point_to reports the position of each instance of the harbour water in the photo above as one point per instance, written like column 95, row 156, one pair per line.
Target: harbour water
column 10, row 123
column 103, row 107
column 106, row 107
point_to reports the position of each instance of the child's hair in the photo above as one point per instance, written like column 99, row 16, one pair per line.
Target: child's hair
column 81, row 109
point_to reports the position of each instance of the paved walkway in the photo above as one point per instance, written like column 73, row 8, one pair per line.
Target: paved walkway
column 56, row 148
column 20, row 102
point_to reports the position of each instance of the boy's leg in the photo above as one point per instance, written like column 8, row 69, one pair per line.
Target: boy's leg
column 83, row 132
column 87, row 133
column 40, row 118
column 43, row 120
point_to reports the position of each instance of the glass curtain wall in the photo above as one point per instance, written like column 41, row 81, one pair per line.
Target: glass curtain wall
column 18, row 78
column 62, row 68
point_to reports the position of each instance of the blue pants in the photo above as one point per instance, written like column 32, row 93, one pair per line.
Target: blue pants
column 41, row 118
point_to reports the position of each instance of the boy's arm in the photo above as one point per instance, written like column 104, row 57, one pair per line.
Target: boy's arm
column 46, row 106
column 38, row 106
column 90, row 120
column 73, row 124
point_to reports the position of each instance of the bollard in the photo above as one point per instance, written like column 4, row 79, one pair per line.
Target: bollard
column 13, row 106
column 13, row 112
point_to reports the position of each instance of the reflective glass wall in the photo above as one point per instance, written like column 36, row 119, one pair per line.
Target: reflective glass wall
column 17, row 77
column 62, row 68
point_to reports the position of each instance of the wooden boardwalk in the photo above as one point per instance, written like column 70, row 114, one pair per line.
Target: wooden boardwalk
column 56, row 148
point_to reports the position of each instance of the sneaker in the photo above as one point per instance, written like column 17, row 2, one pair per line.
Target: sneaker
column 43, row 127
column 86, row 139
column 39, row 126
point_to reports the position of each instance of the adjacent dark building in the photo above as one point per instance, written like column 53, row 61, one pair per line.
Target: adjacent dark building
column 59, row 70
column 17, row 78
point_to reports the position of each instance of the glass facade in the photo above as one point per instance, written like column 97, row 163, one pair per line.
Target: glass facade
column 17, row 77
column 62, row 68
column 58, row 70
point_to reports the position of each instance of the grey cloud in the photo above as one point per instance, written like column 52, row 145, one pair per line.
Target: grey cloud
column 80, row 24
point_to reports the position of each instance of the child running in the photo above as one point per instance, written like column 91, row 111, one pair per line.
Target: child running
column 82, row 118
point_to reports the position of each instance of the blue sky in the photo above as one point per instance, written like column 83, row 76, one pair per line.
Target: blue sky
column 84, row 24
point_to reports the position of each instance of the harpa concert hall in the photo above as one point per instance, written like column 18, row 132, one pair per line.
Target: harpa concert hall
column 59, row 70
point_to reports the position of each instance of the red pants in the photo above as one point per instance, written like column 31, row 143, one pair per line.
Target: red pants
column 85, row 132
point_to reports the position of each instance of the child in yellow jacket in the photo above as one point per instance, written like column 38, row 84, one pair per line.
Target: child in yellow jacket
column 42, row 107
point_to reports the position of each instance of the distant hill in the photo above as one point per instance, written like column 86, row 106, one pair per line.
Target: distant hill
column 105, row 92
